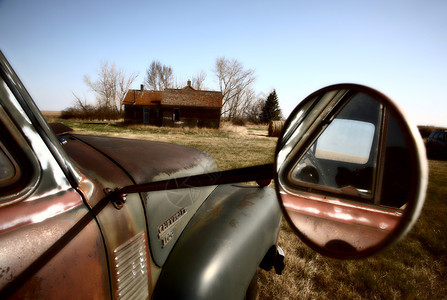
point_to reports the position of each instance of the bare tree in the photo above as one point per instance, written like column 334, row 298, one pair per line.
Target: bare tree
column 111, row 86
column 255, row 109
column 159, row 77
column 81, row 104
column 198, row 80
column 246, row 102
column 234, row 83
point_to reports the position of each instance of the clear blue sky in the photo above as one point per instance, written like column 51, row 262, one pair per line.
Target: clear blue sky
column 296, row 47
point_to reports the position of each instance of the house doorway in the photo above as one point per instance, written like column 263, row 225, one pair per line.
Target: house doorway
column 176, row 114
column 146, row 112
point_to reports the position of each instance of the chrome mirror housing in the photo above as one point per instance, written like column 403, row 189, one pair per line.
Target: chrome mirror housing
column 350, row 171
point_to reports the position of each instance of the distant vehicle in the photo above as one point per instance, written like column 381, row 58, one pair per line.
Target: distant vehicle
column 437, row 144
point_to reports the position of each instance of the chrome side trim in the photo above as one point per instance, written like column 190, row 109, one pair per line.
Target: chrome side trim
column 131, row 267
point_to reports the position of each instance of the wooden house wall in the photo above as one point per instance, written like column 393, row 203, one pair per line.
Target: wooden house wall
column 164, row 116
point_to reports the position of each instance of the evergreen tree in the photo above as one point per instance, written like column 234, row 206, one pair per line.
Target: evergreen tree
column 271, row 110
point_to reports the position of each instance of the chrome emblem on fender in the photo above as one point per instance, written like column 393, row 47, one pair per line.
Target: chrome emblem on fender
column 163, row 230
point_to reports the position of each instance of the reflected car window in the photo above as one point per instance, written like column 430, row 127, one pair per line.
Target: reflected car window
column 343, row 158
column 346, row 141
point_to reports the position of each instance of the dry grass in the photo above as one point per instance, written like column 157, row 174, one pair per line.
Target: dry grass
column 51, row 115
column 414, row 268
column 231, row 146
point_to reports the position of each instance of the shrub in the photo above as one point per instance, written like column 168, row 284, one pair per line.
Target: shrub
column 91, row 113
column 239, row 121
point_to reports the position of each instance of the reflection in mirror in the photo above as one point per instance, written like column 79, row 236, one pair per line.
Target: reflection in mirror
column 346, row 168
column 347, row 141
column 344, row 155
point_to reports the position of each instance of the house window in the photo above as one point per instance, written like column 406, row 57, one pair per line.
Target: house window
column 176, row 114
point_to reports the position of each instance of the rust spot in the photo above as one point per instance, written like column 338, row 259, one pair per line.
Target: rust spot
column 251, row 196
column 4, row 271
column 210, row 216
column 233, row 223
column 245, row 203
column 216, row 211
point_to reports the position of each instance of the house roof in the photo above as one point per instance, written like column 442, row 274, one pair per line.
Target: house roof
column 145, row 98
column 186, row 96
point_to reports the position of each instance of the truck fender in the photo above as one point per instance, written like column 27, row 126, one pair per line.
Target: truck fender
column 222, row 246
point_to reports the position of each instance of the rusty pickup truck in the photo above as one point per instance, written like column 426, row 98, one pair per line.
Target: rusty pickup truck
column 88, row 217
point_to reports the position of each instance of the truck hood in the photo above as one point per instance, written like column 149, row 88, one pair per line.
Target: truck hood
column 144, row 162
column 147, row 161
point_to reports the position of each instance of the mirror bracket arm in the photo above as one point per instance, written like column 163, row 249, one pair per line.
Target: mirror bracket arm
column 262, row 175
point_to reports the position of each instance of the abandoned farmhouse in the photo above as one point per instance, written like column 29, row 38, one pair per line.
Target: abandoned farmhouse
column 173, row 107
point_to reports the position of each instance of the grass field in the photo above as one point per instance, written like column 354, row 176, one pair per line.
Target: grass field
column 414, row 268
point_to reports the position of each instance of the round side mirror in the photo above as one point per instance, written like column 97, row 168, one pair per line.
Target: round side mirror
column 351, row 174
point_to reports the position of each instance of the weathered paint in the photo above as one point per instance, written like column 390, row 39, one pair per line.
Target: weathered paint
column 327, row 220
column 78, row 271
column 220, row 249
column 117, row 226
column 37, row 225
column 164, row 161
